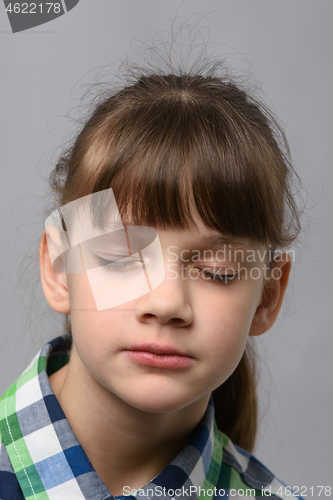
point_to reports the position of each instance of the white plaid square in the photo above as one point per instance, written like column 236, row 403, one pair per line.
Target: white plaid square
column 28, row 394
column 66, row 491
column 36, row 443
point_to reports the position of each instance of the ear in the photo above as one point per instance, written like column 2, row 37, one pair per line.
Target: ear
column 53, row 282
column 272, row 295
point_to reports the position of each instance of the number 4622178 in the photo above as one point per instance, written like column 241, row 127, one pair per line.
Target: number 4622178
column 34, row 8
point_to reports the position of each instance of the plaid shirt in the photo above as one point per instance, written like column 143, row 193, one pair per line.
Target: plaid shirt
column 41, row 458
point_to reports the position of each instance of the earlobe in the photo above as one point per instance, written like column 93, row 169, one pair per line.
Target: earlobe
column 53, row 282
column 272, row 296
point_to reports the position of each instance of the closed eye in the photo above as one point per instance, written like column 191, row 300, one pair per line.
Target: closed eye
column 224, row 279
column 121, row 265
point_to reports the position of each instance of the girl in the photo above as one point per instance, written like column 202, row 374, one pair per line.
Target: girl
column 166, row 252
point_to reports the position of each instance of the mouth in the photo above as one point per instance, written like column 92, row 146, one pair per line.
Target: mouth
column 159, row 356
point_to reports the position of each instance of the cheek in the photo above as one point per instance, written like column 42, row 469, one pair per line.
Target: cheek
column 90, row 328
column 229, row 313
column 225, row 323
column 96, row 342
column 80, row 294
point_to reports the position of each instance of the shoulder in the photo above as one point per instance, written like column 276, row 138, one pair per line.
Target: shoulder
column 246, row 476
column 9, row 486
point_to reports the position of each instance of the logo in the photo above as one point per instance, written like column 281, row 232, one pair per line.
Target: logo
column 25, row 15
column 121, row 263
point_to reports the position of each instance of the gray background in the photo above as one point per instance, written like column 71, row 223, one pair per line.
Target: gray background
column 288, row 46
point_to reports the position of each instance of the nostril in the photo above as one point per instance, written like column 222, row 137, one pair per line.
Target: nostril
column 177, row 320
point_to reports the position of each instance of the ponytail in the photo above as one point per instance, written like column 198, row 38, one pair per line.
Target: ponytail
column 236, row 403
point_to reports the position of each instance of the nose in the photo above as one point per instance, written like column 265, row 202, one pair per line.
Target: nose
column 169, row 303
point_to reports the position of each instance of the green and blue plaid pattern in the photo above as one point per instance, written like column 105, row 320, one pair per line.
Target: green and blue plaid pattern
column 41, row 458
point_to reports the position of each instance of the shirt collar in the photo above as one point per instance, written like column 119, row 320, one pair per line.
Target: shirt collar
column 49, row 461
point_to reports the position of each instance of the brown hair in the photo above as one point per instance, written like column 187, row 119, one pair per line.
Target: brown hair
column 167, row 143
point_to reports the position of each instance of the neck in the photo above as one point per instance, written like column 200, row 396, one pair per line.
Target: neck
column 126, row 446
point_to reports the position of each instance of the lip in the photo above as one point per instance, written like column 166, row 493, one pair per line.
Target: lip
column 160, row 356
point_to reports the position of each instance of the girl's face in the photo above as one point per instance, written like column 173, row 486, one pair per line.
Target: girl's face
column 171, row 347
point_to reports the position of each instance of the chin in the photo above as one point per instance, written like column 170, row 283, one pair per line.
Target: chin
column 160, row 403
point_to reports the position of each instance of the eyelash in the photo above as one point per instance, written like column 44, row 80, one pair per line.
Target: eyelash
column 113, row 265
column 224, row 279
